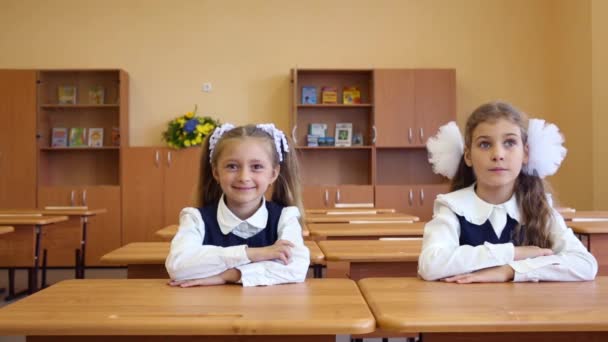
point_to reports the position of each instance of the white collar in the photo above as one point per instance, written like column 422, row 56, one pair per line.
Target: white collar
column 465, row 202
column 228, row 221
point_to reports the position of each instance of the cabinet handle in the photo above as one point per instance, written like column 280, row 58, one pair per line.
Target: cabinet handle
column 338, row 196
column 375, row 132
column 326, row 197
column 157, row 158
column 421, row 133
column 409, row 135
column 293, row 134
column 421, row 196
column 411, row 198
column 84, row 197
column 72, row 194
column 168, row 158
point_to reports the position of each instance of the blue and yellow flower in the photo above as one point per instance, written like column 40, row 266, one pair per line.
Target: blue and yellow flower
column 188, row 130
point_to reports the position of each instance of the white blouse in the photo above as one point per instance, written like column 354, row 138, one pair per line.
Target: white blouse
column 442, row 256
column 190, row 259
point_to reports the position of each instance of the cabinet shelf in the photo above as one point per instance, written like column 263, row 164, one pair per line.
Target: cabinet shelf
column 84, row 148
column 77, row 106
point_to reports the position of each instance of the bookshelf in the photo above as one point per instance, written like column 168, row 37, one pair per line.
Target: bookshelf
column 399, row 110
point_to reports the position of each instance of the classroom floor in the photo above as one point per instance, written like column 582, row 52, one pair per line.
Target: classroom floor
column 55, row 275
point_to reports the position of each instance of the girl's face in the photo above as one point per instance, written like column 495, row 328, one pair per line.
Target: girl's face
column 497, row 154
column 244, row 171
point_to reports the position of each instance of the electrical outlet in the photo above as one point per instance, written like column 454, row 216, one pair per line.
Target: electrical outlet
column 207, row 87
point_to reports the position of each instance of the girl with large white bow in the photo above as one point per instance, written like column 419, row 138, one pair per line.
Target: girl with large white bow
column 498, row 223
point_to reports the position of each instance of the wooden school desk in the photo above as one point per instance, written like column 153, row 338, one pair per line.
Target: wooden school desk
column 371, row 258
column 341, row 211
column 595, row 234
column 22, row 247
column 551, row 311
column 148, row 309
column 81, row 213
column 147, row 259
column 585, row 215
column 360, row 218
column 6, row 229
column 367, row 231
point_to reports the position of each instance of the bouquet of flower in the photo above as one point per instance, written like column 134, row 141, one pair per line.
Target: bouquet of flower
column 188, row 130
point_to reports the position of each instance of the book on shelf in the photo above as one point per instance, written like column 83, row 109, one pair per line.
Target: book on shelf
column 115, row 136
column 78, row 137
column 329, row 95
column 326, row 141
column 318, row 129
column 344, row 134
column 66, row 94
column 59, row 137
column 351, row 95
column 96, row 137
column 358, row 139
column 96, row 95
column 309, row 95
column 312, row 140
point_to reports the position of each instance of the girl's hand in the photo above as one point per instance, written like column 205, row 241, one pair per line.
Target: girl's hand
column 527, row 252
column 229, row 276
column 498, row 274
column 281, row 250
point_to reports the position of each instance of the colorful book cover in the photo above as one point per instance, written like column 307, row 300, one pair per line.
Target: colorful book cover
column 78, row 137
column 59, row 137
column 96, row 95
column 318, row 129
column 66, row 94
column 329, row 95
column 309, row 95
column 95, row 137
column 351, row 95
column 344, row 134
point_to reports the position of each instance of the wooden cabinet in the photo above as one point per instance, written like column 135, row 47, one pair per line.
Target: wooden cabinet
column 399, row 110
column 103, row 231
column 157, row 184
column 329, row 196
column 18, row 139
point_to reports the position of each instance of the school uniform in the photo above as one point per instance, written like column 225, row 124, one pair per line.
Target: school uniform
column 467, row 234
column 212, row 240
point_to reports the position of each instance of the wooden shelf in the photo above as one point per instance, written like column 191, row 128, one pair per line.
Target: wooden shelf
column 84, row 148
column 77, row 106
column 337, row 105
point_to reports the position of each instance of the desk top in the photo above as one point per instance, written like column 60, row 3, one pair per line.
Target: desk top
column 31, row 220
column 151, row 307
column 6, row 229
column 341, row 211
column 414, row 305
column 153, row 253
column 368, row 229
column 362, row 218
column 169, row 232
column 585, row 214
column 590, row 227
column 371, row 250
column 51, row 212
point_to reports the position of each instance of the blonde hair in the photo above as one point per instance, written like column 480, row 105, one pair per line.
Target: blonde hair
column 529, row 190
column 286, row 189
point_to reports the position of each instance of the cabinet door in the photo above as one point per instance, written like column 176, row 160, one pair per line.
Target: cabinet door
column 316, row 197
column 60, row 239
column 18, row 139
column 435, row 101
column 399, row 197
column 103, row 230
column 142, row 194
column 354, row 194
column 394, row 107
column 181, row 181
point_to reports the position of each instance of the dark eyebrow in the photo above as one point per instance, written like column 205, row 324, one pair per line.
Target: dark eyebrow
column 482, row 137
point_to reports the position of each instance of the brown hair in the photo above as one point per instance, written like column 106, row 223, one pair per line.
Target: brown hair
column 285, row 190
column 529, row 189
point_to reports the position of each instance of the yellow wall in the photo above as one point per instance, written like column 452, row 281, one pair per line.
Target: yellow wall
column 600, row 102
column 508, row 49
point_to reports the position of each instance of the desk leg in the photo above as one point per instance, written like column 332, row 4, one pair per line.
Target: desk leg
column 33, row 272
column 317, row 271
column 83, row 246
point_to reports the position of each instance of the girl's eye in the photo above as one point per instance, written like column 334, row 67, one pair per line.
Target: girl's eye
column 484, row 145
column 510, row 143
column 231, row 166
column 257, row 167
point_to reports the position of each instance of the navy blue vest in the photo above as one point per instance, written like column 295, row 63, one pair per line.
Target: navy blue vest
column 474, row 235
column 266, row 237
